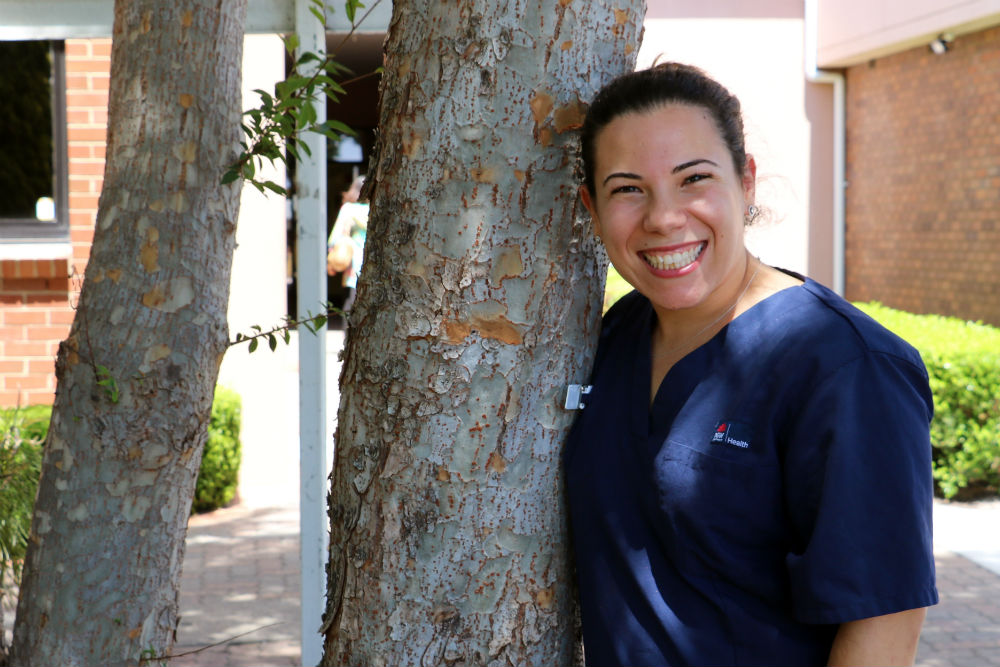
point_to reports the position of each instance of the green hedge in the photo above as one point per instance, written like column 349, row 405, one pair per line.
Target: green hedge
column 963, row 361
column 614, row 288
column 20, row 466
column 23, row 431
column 220, row 464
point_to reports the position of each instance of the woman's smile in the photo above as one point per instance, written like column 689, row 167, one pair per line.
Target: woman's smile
column 674, row 262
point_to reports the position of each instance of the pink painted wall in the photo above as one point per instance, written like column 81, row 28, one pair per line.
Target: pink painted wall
column 854, row 31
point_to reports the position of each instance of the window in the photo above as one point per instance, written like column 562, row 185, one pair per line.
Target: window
column 33, row 172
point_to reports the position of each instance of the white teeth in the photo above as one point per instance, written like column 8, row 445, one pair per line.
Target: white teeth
column 673, row 260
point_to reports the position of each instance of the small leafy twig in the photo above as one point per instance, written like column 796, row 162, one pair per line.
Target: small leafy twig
column 275, row 126
column 149, row 656
column 102, row 375
column 107, row 380
column 314, row 323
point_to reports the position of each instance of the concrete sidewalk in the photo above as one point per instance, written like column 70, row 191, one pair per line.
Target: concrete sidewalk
column 240, row 587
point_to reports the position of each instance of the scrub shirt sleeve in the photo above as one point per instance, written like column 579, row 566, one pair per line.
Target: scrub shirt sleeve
column 859, row 492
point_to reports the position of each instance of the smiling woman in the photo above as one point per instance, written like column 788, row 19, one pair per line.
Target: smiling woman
column 723, row 475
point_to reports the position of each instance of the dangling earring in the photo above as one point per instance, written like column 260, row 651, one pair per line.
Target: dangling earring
column 751, row 214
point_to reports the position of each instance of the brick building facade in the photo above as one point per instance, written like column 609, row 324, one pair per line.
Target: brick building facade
column 36, row 295
column 923, row 174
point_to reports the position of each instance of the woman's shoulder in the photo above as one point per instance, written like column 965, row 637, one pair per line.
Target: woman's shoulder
column 621, row 328
column 631, row 309
column 832, row 327
column 816, row 338
column 626, row 304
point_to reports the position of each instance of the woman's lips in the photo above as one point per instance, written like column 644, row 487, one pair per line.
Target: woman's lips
column 674, row 261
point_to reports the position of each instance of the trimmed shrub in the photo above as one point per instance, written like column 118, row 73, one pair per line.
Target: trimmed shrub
column 23, row 431
column 220, row 464
column 31, row 422
column 614, row 288
column 22, row 435
column 963, row 362
column 20, row 467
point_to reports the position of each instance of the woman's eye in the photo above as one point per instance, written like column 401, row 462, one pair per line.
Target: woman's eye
column 694, row 178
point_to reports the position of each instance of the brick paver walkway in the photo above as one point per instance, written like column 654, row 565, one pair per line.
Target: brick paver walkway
column 963, row 630
column 241, row 575
column 241, row 572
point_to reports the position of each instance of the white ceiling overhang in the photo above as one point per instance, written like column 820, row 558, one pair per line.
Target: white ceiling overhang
column 65, row 19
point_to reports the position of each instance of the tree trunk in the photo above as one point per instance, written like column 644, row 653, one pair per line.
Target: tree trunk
column 137, row 374
column 479, row 302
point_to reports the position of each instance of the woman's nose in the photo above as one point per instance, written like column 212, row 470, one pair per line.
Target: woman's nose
column 664, row 214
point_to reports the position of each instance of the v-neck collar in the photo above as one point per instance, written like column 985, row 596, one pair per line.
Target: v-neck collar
column 683, row 377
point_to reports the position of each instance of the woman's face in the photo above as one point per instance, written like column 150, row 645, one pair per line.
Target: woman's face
column 669, row 204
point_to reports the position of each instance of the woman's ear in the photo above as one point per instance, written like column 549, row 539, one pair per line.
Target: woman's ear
column 750, row 180
column 588, row 201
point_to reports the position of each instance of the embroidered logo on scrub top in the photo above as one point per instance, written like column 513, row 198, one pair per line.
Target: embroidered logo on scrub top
column 731, row 434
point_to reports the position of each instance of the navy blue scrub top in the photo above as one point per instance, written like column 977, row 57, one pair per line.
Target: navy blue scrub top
column 778, row 486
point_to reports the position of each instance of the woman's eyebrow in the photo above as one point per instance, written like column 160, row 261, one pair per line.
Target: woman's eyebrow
column 621, row 174
column 678, row 168
column 682, row 167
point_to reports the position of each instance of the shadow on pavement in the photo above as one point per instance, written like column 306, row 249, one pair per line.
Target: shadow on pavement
column 241, row 584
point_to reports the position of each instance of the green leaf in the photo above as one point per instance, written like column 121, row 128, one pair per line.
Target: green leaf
column 341, row 127
column 351, row 8
column 274, row 187
column 308, row 114
column 286, row 123
column 291, row 42
column 266, row 104
column 330, row 87
column 329, row 84
column 106, row 380
column 335, row 68
column 287, row 89
column 307, row 57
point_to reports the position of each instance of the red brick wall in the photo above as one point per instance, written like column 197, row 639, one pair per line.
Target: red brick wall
column 36, row 295
column 923, row 172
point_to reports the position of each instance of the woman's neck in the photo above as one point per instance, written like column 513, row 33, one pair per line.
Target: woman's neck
column 687, row 328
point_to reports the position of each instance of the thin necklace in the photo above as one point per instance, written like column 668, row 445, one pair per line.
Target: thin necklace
column 716, row 320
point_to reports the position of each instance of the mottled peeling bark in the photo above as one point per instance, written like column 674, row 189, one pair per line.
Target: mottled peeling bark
column 104, row 562
column 479, row 302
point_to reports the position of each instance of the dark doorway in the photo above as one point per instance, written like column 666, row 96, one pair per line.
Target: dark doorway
column 361, row 53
